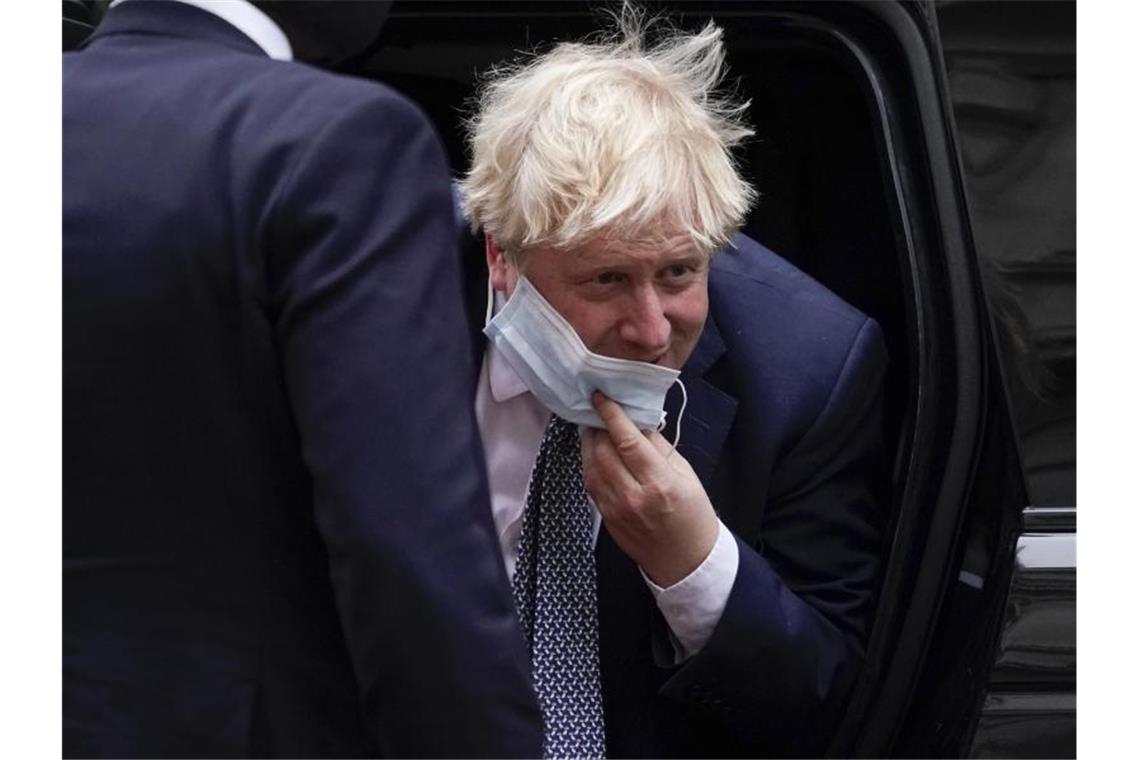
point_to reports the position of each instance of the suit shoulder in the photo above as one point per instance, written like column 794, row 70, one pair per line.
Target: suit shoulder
column 749, row 275
column 327, row 86
column 324, row 94
column 773, row 317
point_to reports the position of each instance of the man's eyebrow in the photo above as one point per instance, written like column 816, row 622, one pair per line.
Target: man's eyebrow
column 603, row 262
column 691, row 258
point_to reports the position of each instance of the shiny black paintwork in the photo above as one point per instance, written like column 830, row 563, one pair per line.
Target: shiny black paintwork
column 1029, row 724
column 1012, row 80
column 1038, row 643
column 1030, row 706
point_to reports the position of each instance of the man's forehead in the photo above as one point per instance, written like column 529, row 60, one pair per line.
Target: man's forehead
column 647, row 249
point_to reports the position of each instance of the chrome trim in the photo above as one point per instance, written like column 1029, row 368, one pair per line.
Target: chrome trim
column 1047, row 551
column 1038, row 643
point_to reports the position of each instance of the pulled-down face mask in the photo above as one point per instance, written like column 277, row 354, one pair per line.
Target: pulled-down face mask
column 555, row 365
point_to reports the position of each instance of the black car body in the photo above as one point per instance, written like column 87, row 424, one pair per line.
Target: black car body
column 919, row 160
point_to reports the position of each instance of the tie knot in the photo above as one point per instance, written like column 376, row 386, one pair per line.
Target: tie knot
column 562, row 425
column 560, row 454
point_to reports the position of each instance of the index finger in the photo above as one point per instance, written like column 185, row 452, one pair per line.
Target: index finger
column 635, row 450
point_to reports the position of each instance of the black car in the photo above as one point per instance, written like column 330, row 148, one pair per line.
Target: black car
column 919, row 159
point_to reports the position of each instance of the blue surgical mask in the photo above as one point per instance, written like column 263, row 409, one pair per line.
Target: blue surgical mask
column 555, row 365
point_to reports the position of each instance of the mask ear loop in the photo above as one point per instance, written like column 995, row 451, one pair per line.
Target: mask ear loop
column 490, row 302
column 680, row 416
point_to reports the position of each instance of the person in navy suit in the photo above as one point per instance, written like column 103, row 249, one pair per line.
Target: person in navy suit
column 275, row 527
column 735, row 574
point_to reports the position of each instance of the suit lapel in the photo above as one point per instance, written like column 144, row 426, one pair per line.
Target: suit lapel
column 709, row 412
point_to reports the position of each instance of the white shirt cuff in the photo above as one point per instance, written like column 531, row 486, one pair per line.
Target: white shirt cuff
column 693, row 605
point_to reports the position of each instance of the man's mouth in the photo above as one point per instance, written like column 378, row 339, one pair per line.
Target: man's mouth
column 660, row 359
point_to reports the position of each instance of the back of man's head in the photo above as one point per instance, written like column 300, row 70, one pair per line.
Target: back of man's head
column 609, row 137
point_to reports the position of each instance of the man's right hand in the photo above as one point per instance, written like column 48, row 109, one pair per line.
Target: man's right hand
column 650, row 499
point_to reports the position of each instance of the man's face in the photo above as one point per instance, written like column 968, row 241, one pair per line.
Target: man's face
column 638, row 302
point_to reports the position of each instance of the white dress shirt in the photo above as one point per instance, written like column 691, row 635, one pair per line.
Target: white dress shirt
column 511, row 424
column 248, row 19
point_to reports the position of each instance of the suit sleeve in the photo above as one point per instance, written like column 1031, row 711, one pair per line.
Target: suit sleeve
column 780, row 663
column 364, row 289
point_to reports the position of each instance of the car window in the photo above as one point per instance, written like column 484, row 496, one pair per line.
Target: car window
column 1012, row 79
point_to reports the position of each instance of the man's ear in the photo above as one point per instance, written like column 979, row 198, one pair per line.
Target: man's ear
column 499, row 266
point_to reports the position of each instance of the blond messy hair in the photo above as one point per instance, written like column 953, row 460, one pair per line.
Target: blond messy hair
column 609, row 139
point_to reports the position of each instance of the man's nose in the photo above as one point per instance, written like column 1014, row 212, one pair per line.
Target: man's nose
column 646, row 326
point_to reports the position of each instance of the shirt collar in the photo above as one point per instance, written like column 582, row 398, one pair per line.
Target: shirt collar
column 505, row 383
column 247, row 19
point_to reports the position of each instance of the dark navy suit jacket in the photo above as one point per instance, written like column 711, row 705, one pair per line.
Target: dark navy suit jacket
column 276, row 537
column 784, row 428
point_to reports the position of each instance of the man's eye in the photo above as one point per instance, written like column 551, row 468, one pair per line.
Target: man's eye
column 677, row 270
column 608, row 278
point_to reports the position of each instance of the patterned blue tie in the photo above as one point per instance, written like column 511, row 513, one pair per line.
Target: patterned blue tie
column 555, row 589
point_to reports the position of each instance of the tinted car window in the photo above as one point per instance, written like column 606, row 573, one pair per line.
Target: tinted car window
column 1012, row 77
